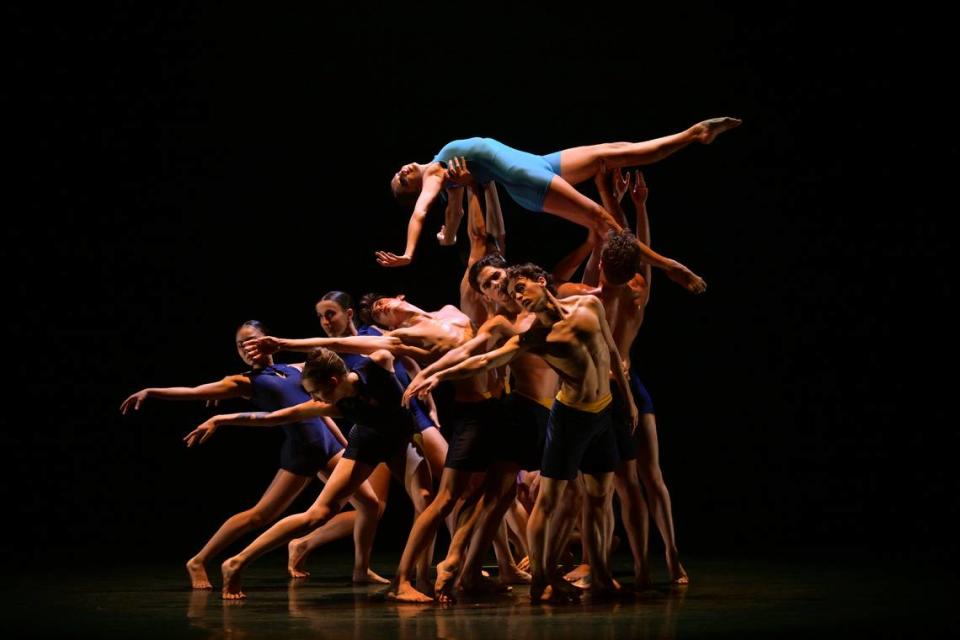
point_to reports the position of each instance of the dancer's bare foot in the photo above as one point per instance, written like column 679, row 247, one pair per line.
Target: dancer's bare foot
column 198, row 574
column 686, row 278
column 705, row 132
column 404, row 592
column 446, row 578
column 369, row 578
column 514, row 575
column 446, row 575
column 578, row 572
column 446, row 239
column 296, row 556
column 678, row 574
column 231, row 579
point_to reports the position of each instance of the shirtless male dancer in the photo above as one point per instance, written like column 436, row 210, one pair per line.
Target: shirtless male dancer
column 573, row 337
column 624, row 289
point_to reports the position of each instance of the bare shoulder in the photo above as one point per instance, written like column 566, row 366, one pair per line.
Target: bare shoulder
column 497, row 324
column 573, row 289
column 450, row 312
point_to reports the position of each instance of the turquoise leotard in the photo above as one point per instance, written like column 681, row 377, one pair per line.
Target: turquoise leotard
column 525, row 176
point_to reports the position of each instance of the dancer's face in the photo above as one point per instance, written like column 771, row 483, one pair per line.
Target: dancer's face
column 490, row 279
column 246, row 333
column 334, row 320
column 531, row 295
column 407, row 180
column 389, row 312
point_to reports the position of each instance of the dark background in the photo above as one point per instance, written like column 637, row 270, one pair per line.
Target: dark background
column 178, row 171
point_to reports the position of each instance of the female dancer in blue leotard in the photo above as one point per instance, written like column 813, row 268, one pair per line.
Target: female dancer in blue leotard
column 542, row 183
column 310, row 448
column 336, row 314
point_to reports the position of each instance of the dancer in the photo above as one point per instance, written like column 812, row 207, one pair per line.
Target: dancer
column 542, row 183
column 312, row 447
column 572, row 335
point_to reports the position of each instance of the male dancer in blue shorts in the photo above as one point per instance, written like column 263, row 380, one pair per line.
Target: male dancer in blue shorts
column 573, row 337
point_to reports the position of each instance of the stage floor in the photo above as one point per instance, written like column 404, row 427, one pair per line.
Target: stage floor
column 795, row 596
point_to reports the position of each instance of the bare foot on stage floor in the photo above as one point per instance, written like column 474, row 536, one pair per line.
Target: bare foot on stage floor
column 231, row 580
column 404, row 592
column 369, row 578
column 296, row 555
column 198, row 574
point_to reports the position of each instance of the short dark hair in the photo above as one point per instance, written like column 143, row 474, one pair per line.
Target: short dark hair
column 530, row 271
column 365, row 307
column 321, row 364
column 494, row 260
column 620, row 256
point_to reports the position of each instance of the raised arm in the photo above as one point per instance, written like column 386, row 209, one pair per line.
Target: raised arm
column 471, row 302
column 568, row 265
column 638, row 194
column 296, row 413
column 432, row 185
column 495, row 227
column 230, row 387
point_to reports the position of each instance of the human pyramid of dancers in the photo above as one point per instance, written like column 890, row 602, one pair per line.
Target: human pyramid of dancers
column 548, row 420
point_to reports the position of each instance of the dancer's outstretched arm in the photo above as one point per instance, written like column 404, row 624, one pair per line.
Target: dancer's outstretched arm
column 434, row 179
column 477, row 364
column 497, row 327
column 230, row 387
column 345, row 344
column 296, row 413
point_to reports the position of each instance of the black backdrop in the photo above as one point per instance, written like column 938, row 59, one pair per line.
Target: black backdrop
column 178, row 171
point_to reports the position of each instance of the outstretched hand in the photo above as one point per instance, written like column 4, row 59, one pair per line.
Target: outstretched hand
column 387, row 259
column 201, row 433
column 133, row 402
column 421, row 387
column 262, row 346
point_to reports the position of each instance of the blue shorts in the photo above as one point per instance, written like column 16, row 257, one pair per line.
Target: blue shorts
column 307, row 458
column 579, row 440
column 524, row 433
column 640, row 394
column 473, row 435
column 372, row 446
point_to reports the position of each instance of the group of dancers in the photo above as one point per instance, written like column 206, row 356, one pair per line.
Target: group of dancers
column 548, row 421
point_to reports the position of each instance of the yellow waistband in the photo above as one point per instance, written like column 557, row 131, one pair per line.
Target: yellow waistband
column 546, row 402
column 590, row 407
